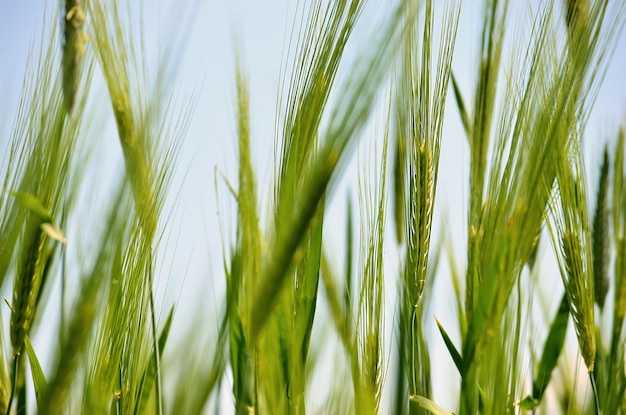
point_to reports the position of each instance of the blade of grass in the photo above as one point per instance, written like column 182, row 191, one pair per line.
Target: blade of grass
column 454, row 353
column 39, row 379
column 347, row 292
column 149, row 375
column 339, row 311
column 460, row 103
column 551, row 350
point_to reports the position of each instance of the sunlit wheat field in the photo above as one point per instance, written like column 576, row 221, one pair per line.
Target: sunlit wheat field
column 313, row 206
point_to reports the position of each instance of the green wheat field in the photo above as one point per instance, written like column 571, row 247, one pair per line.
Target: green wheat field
column 305, row 309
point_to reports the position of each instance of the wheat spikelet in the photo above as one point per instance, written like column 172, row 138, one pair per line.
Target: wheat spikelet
column 573, row 244
column 581, row 308
column 600, row 234
column 26, row 289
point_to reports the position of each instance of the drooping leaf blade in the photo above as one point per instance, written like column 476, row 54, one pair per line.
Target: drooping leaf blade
column 34, row 205
column 149, row 376
column 39, row 378
column 552, row 349
column 454, row 353
column 460, row 103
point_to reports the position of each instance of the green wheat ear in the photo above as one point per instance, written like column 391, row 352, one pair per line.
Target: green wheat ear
column 600, row 234
column 368, row 349
column 74, row 41
column 569, row 226
column 27, row 284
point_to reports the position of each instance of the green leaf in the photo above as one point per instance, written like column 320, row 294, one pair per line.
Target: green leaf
column 307, row 286
column 429, row 405
column 454, row 353
column 465, row 120
column 149, row 375
column 347, row 297
column 33, row 204
column 339, row 315
column 529, row 403
column 241, row 364
column 399, row 186
column 8, row 303
column 39, row 379
column 552, row 349
column 165, row 331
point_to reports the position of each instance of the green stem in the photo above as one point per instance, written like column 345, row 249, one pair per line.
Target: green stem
column 16, row 360
column 594, row 386
column 155, row 344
